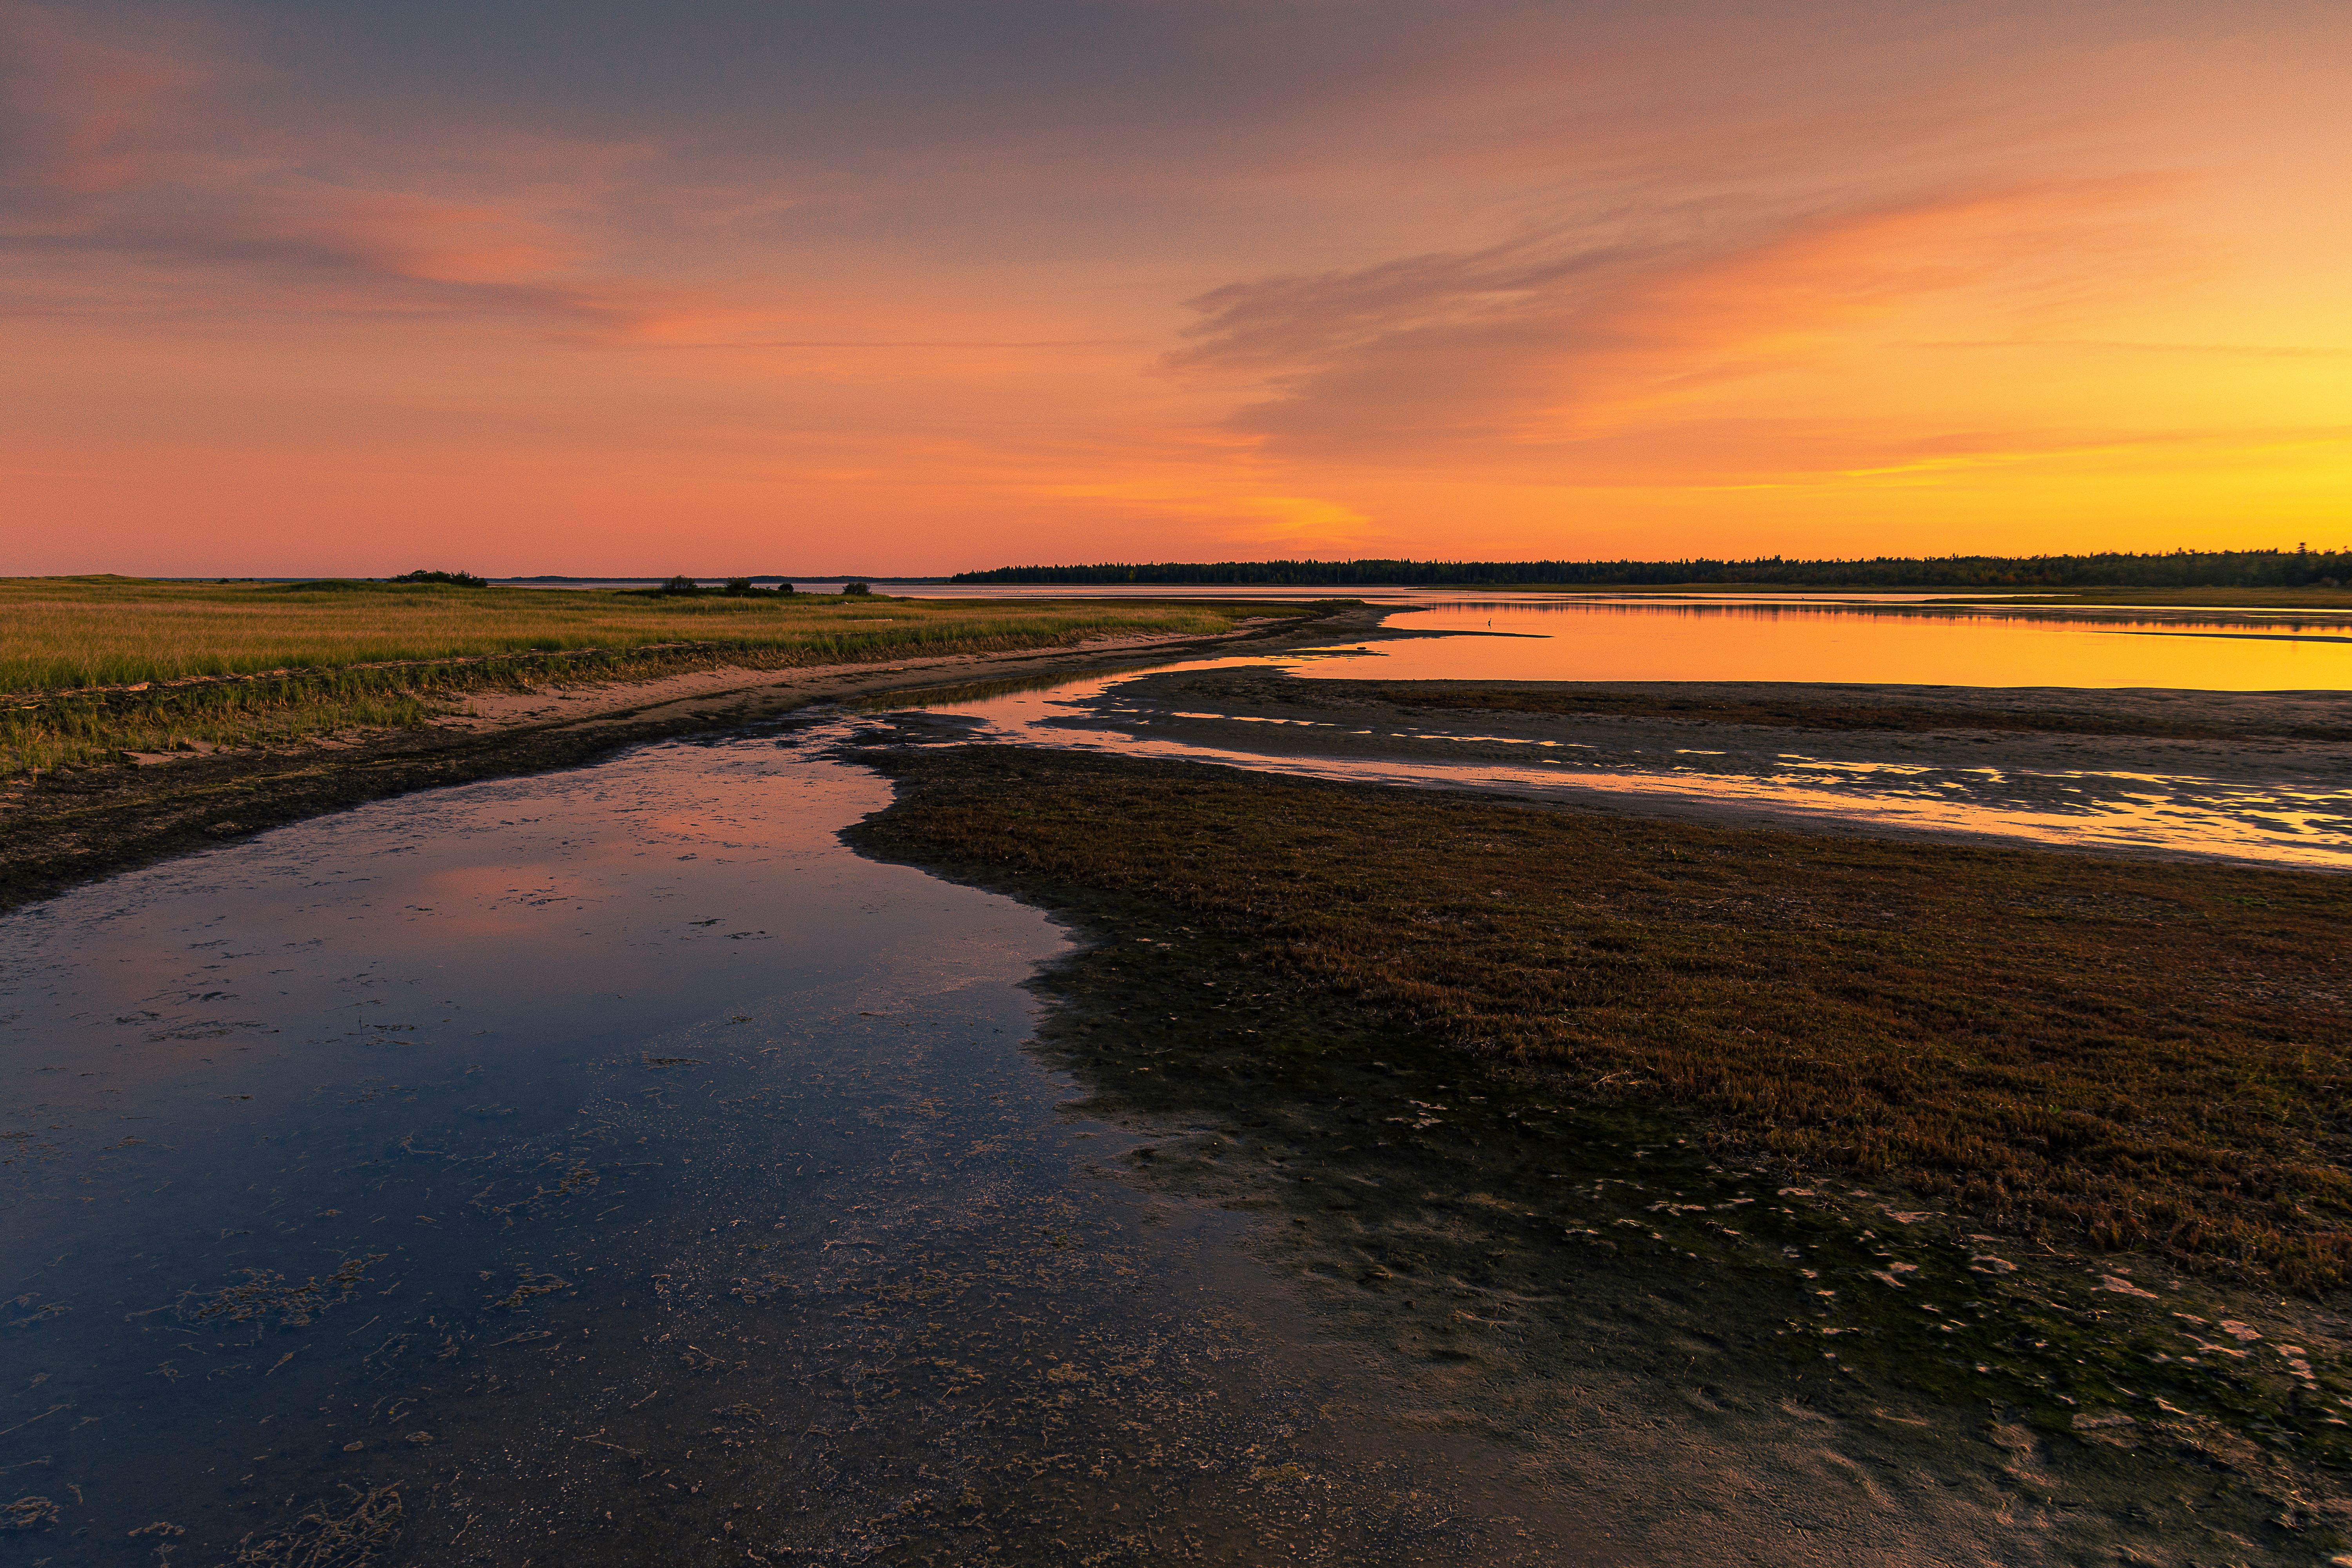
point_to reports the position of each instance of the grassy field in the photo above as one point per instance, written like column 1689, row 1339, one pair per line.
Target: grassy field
column 2118, row 1055
column 90, row 666
column 60, row 633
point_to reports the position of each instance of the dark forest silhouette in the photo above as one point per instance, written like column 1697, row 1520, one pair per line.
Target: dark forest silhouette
column 2297, row 568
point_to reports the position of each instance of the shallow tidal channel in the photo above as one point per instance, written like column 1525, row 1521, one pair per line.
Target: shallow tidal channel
column 609, row 1166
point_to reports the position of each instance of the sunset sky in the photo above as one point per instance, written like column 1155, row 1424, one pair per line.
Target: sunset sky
column 795, row 288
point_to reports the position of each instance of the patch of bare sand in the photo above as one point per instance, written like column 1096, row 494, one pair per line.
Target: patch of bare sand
column 566, row 702
column 557, row 702
column 192, row 749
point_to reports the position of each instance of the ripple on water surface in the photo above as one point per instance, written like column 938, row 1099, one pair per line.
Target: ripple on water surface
column 610, row 1167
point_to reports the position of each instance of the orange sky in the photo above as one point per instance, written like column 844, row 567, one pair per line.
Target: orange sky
column 357, row 289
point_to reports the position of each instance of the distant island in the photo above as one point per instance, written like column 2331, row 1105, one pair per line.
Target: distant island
column 2298, row 568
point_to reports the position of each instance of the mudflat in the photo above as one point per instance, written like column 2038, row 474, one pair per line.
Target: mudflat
column 1819, row 1194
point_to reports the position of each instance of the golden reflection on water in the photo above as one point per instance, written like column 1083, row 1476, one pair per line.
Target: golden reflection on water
column 2214, row 651
column 2266, row 805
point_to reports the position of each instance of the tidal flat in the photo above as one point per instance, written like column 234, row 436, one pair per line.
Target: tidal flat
column 605, row 1162
column 1867, row 1198
column 103, row 670
column 63, row 826
column 2251, row 776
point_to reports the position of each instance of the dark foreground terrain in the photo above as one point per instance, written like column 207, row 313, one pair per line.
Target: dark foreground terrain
column 1760, row 1196
column 1692, row 1165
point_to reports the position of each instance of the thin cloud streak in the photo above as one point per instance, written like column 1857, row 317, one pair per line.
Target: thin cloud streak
column 1539, row 343
column 918, row 343
column 128, row 161
column 2099, row 345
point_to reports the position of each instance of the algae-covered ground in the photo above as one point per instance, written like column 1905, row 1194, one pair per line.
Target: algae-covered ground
column 1983, row 1203
column 1883, row 709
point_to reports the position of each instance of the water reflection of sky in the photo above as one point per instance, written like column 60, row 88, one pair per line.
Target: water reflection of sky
column 507, row 1147
column 2291, row 819
column 1589, row 640
column 601, row 1168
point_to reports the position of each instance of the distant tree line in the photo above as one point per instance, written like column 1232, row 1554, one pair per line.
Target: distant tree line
column 2300, row 567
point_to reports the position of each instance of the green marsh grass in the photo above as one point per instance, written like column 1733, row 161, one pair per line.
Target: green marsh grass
column 61, row 633
column 91, row 667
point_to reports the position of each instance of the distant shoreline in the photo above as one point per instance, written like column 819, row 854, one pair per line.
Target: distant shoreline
column 2300, row 568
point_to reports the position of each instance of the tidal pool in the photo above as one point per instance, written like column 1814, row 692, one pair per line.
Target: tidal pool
column 2282, row 804
column 610, row 1167
column 2272, row 803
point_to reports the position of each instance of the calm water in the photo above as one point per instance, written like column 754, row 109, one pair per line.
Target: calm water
column 610, row 1168
column 1912, row 646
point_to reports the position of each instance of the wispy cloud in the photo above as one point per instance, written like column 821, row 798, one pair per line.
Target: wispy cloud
column 1528, row 350
column 1494, row 275
column 135, row 161
column 2122, row 346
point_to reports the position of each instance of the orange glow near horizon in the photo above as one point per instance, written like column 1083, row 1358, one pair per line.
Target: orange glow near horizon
column 1588, row 639
column 1118, row 286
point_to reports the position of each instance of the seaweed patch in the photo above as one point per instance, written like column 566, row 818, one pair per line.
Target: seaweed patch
column 265, row 1294
column 322, row 1538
